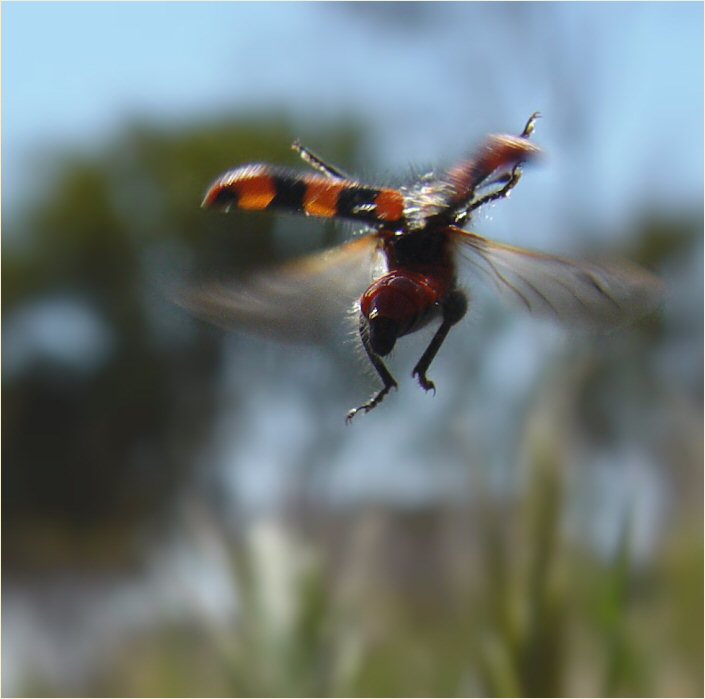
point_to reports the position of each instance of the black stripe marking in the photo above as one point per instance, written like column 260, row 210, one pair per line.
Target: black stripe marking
column 290, row 192
column 225, row 198
column 358, row 203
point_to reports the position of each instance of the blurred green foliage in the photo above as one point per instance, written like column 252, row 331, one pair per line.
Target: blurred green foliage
column 105, row 449
column 497, row 602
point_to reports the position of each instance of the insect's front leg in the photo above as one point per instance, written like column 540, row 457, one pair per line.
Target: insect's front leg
column 530, row 125
column 500, row 155
column 380, row 368
column 318, row 163
column 454, row 308
column 502, row 193
column 510, row 180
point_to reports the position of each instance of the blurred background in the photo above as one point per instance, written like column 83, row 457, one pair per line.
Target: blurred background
column 185, row 511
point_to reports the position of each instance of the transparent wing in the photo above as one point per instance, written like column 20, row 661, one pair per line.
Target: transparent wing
column 572, row 292
column 296, row 301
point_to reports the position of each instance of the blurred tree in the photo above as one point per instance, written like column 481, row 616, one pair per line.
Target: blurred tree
column 100, row 441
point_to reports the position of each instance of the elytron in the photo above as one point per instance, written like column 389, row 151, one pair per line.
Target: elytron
column 403, row 269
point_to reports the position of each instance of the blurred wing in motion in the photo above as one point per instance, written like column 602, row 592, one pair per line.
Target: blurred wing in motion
column 577, row 293
column 297, row 301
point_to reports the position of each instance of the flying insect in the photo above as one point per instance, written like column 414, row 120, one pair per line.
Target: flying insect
column 401, row 272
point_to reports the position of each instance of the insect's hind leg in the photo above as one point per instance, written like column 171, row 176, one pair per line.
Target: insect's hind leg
column 454, row 308
column 380, row 368
column 317, row 163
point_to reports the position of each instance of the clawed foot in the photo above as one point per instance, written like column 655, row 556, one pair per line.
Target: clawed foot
column 372, row 403
column 424, row 382
column 530, row 125
column 354, row 411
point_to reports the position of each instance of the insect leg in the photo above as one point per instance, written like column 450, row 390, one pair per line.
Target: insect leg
column 499, row 194
column 501, row 152
column 317, row 163
column 530, row 125
column 511, row 181
column 454, row 309
column 380, row 368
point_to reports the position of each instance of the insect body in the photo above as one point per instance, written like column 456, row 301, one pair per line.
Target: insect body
column 416, row 233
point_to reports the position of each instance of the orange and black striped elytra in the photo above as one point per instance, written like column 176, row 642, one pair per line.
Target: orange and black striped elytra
column 403, row 272
column 260, row 187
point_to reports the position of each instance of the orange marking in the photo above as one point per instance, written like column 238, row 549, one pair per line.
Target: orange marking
column 321, row 198
column 255, row 191
column 389, row 205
